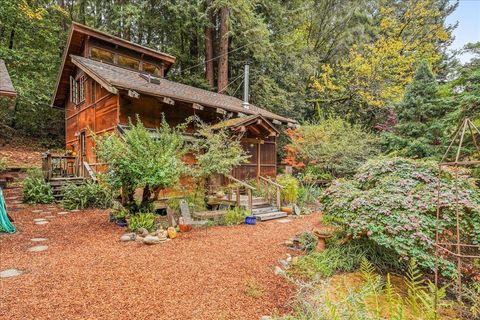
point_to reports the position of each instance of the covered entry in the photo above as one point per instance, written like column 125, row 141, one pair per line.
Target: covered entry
column 258, row 137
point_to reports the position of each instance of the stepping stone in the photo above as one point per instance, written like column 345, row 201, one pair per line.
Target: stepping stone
column 284, row 220
column 62, row 212
column 38, row 239
column 49, row 217
column 37, row 211
column 75, row 210
column 39, row 219
column 8, row 273
column 41, row 222
column 47, row 212
column 37, row 248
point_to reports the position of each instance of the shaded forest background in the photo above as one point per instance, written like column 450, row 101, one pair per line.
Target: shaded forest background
column 309, row 59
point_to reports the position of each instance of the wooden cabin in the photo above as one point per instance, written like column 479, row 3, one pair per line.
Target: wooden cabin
column 104, row 81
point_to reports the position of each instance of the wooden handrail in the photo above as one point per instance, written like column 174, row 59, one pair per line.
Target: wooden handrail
column 90, row 171
column 278, row 188
column 272, row 182
column 243, row 184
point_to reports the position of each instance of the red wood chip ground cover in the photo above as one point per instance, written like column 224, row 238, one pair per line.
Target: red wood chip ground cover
column 87, row 273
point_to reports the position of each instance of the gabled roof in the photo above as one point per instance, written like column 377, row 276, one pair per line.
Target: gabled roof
column 6, row 86
column 114, row 78
column 242, row 122
column 76, row 40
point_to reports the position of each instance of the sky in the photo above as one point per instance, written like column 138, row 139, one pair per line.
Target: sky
column 468, row 29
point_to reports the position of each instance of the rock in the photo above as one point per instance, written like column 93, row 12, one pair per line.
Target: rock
column 278, row 271
column 8, row 273
column 38, row 239
column 128, row 237
column 75, row 210
column 37, row 248
column 41, row 222
column 294, row 260
column 39, row 219
column 289, row 243
column 62, row 213
column 143, row 232
column 151, row 239
column 284, row 263
column 289, row 258
column 37, row 211
column 49, row 217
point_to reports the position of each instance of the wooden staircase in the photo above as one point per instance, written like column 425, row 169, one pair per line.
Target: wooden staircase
column 262, row 209
column 58, row 184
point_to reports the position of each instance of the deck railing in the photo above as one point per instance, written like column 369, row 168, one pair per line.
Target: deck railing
column 235, row 187
column 278, row 189
column 59, row 166
column 64, row 166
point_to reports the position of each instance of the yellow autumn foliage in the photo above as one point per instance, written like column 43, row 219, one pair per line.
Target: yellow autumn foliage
column 378, row 72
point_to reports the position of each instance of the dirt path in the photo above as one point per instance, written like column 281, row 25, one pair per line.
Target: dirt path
column 87, row 273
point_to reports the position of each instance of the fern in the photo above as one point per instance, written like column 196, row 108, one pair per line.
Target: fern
column 415, row 285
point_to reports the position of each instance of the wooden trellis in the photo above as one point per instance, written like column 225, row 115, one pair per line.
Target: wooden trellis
column 455, row 248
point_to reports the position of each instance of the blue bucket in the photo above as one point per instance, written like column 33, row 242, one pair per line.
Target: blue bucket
column 251, row 220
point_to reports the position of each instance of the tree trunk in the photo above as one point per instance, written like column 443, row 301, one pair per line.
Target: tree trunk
column 145, row 196
column 81, row 12
column 209, row 72
column 223, row 59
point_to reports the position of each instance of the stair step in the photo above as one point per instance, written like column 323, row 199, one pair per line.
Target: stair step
column 264, row 210
column 271, row 215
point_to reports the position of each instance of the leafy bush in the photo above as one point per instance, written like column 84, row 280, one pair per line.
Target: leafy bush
column 393, row 202
column 36, row 189
column 86, row 195
column 346, row 258
column 142, row 159
column 141, row 220
column 234, row 216
column 327, row 145
column 290, row 184
column 307, row 194
column 308, row 241
column 196, row 202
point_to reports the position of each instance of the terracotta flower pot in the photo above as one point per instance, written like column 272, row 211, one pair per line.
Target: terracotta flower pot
column 287, row 210
column 184, row 227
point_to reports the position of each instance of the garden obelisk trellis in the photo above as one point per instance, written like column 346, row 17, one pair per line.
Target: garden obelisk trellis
column 460, row 250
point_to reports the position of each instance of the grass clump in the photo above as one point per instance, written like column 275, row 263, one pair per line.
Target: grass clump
column 86, row 195
column 36, row 189
column 345, row 258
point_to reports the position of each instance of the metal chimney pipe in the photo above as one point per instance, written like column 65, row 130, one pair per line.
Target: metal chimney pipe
column 246, row 86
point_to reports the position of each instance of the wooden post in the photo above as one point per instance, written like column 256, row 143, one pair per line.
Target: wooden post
column 278, row 198
column 250, row 200
column 238, row 196
column 49, row 166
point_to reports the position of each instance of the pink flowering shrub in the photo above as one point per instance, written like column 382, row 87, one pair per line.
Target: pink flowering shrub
column 393, row 202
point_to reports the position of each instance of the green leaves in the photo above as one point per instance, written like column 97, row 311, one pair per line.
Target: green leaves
column 36, row 189
column 87, row 195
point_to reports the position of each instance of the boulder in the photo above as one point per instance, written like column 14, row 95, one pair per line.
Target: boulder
column 128, row 237
column 143, row 232
column 151, row 239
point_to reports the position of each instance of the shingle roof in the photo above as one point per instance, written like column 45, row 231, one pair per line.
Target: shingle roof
column 122, row 78
column 6, row 86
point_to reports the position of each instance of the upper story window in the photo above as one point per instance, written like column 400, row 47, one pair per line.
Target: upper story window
column 128, row 62
column 102, row 55
column 151, row 68
column 77, row 89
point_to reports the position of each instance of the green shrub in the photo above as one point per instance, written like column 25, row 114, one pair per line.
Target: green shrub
column 234, row 216
column 290, row 185
column 346, row 258
column 308, row 194
column 308, row 241
column 196, row 202
column 86, row 195
column 141, row 220
column 36, row 189
column 393, row 202
column 332, row 145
